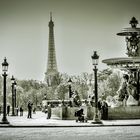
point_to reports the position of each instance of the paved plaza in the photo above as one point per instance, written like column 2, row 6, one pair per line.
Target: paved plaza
column 39, row 120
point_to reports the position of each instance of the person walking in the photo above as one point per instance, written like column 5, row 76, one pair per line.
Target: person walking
column 21, row 111
column 8, row 110
column 29, row 110
column 17, row 109
column 100, row 108
column 49, row 111
column 104, row 109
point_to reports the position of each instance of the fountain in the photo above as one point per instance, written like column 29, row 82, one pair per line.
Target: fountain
column 130, row 88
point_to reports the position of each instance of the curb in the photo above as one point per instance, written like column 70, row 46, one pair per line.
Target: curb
column 52, row 126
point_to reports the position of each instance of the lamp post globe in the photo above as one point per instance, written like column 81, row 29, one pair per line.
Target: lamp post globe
column 95, row 59
column 69, row 81
column 12, row 79
column 5, row 65
column 4, row 69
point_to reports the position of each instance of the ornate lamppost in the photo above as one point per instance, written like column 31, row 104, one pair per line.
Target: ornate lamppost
column 70, row 92
column 13, row 98
column 4, row 69
column 95, row 59
column 15, row 93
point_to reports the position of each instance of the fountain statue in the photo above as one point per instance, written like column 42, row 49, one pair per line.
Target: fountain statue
column 129, row 91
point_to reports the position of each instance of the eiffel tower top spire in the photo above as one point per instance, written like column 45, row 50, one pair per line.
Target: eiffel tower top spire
column 52, row 71
column 50, row 16
column 51, row 24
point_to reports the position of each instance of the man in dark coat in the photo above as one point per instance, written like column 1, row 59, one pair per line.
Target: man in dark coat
column 29, row 110
column 49, row 111
column 104, row 109
column 21, row 111
column 8, row 110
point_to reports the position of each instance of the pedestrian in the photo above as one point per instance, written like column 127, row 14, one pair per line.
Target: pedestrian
column 21, row 111
column 92, row 101
column 49, row 111
column 100, row 107
column 104, row 110
column 29, row 110
column 17, row 109
column 8, row 110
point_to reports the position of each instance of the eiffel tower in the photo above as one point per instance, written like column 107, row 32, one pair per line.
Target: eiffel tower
column 51, row 75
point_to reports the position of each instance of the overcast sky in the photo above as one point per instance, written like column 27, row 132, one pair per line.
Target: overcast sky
column 81, row 26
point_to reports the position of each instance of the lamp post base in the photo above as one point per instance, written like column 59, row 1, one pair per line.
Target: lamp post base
column 4, row 121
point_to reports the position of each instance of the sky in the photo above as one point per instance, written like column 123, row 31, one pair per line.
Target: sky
column 80, row 27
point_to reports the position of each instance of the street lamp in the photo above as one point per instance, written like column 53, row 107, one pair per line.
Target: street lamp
column 15, row 93
column 4, row 69
column 95, row 59
column 13, row 98
column 70, row 92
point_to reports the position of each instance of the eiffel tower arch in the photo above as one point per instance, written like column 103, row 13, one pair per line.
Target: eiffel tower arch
column 51, row 74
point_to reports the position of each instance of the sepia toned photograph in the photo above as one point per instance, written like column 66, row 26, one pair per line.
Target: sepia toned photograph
column 70, row 69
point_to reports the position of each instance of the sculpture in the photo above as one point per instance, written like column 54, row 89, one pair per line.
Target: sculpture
column 128, row 91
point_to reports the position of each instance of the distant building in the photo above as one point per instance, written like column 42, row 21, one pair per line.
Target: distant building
column 51, row 75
